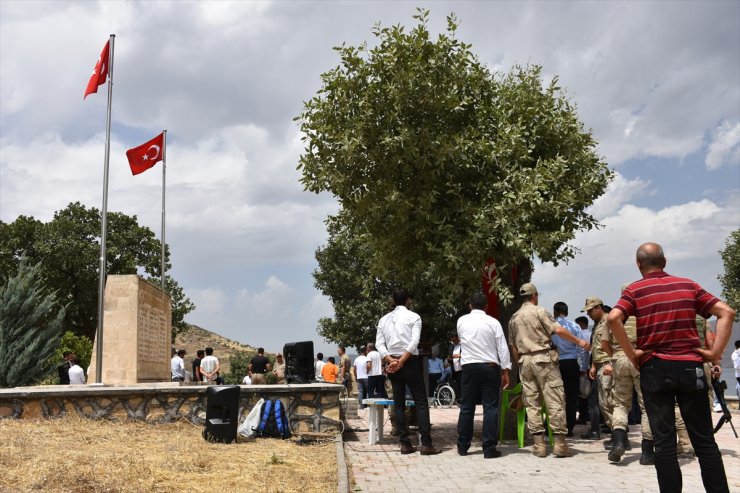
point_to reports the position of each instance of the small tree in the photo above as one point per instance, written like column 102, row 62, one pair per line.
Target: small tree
column 30, row 327
column 730, row 280
column 238, row 364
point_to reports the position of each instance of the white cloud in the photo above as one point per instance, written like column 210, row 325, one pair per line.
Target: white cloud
column 619, row 192
column 725, row 146
column 691, row 235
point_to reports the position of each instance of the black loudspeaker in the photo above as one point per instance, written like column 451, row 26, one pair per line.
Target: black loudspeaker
column 299, row 362
column 222, row 413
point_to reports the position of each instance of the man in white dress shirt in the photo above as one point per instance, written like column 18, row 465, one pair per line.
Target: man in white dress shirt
column 76, row 373
column 485, row 369
column 397, row 342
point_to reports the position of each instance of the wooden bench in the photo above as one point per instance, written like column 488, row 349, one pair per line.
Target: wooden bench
column 376, row 408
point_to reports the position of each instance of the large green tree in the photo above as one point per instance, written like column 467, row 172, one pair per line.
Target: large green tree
column 730, row 280
column 68, row 249
column 30, row 326
column 439, row 164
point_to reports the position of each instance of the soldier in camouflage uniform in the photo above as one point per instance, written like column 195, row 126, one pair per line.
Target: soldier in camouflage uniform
column 530, row 330
column 600, row 368
column 626, row 379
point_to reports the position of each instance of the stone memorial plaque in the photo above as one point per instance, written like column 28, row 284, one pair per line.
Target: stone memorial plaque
column 137, row 332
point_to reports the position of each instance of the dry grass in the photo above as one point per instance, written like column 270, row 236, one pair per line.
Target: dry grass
column 78, row 455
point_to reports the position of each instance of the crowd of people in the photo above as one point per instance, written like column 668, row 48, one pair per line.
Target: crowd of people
column 654, row 344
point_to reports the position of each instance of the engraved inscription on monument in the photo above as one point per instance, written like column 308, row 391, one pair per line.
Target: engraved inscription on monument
column 136, row 332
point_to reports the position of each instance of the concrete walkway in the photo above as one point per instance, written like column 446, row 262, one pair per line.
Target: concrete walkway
column 381, row 467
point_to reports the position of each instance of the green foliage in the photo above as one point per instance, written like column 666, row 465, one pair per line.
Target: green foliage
column 438, row 165
column 68, row 248
column 730, row 280
column 30, row 327
column 238, row 364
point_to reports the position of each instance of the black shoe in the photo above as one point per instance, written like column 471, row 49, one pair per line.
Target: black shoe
column 569, row 434
column 462, row 452
column 608, row 444
column 407, row 448
column 491, row 454
column 429, row 450
column 591, row 435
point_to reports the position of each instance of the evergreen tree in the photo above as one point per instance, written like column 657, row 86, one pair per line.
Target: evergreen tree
column 30, row 327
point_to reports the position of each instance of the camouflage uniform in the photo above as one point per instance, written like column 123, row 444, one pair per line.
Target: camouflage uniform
column 626, row 378
column 600, row 359
column 530, row 329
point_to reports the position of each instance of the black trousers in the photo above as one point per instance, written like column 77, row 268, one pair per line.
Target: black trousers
column 433, row 381
column 664, row 383
column 411, row 375
column 480, row 382
column 376, row 386
column 593, row 407
column 570, row 372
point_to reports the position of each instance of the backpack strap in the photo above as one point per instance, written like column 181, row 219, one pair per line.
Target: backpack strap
column 265, row 415
column 280, row 418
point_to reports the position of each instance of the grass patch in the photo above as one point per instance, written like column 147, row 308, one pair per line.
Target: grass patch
column 78, row 455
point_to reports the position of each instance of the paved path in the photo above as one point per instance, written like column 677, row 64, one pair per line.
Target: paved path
column 381, row 467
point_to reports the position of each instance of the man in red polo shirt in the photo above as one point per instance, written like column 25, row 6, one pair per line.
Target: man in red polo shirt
column 668, row 354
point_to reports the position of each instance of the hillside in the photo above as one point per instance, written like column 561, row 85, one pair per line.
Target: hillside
column 199, row 338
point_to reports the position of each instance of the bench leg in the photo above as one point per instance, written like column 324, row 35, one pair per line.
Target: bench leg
column 372, row 435
column 379, row 418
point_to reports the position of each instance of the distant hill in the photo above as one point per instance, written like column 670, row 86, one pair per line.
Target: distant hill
column 199, row 338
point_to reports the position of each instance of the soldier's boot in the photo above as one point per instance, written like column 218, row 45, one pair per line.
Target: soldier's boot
column 617, row 451
column 610, row 442
column 540, row 448
column 647, row 458
column 684, row 443
column 561, row 448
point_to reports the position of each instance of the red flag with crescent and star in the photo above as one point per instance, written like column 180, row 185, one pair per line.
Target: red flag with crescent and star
column 146, row 155
column 100, row 72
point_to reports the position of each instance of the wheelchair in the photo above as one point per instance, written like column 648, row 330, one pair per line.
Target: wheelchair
column 444, row 395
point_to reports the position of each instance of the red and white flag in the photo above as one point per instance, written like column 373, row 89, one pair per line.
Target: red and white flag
column 100, row 72
column 146, row 155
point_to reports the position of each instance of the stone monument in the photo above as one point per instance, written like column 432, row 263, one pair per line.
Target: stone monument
column 137, row 333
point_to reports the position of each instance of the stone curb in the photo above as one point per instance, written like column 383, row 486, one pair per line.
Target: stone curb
column 343, row 484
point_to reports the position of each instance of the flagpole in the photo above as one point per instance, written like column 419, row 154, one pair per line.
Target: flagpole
column 164, row 168
column 104, row 223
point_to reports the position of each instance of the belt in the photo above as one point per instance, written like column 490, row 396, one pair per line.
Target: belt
column 541, row 351
column 482, row 363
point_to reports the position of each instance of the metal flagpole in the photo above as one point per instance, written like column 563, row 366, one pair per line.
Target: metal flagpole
column 164, row 168
column 104, row 223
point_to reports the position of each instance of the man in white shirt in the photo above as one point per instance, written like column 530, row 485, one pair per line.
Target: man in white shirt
column 318, row 366
column 375, row 377
column 397, row 340
column 209, row 366
column 177, row 366
column 360, row 368
column 76, row 373
column 485, row 369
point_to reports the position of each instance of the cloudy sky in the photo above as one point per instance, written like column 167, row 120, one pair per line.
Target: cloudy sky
column 657, row 82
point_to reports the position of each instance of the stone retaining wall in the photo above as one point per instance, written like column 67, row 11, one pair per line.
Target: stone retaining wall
column 313, row 408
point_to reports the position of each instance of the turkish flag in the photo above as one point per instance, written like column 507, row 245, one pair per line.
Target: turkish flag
column 146, row 155
column 100, row 72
